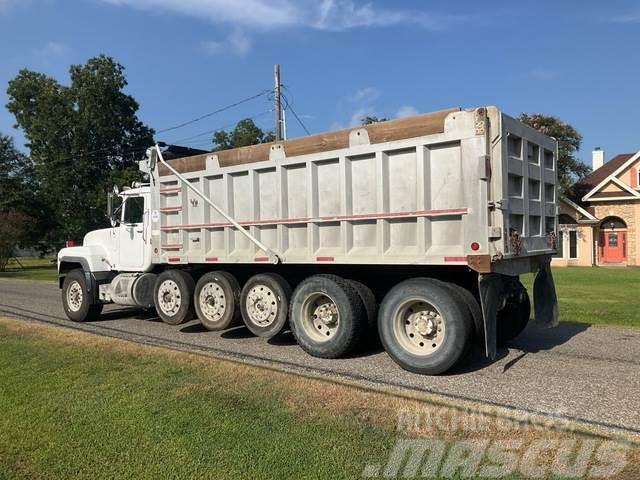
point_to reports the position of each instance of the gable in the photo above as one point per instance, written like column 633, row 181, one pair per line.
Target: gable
column 618, row 179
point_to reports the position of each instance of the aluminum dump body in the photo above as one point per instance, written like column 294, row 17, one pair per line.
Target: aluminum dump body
column 454, row 187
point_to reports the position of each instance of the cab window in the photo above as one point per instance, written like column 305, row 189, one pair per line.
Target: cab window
column 133, row 210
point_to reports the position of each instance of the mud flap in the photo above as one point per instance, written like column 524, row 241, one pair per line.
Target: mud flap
column 545, row 300
column 491, row 288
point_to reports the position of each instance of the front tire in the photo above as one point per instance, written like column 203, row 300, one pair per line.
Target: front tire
column 173, row 296
column 327, row 316
column 423, row 326
column 76, row 300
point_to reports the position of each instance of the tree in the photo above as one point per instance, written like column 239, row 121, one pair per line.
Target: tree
column 245, row 133
column 570, row 169
column 14, row 226
column 369, row 119
column 20, row 192
column 80, row 137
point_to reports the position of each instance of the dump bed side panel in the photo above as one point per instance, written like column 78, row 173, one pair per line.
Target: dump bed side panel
column 413, row 201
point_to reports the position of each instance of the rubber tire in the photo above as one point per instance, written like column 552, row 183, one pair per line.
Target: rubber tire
column 186, row 286
column 472, row 304
column 350, row 308
column 455, row 314
column 282, row 290
column 88, row 311
column 512, row 320
column 231, row 289
column 371, row 310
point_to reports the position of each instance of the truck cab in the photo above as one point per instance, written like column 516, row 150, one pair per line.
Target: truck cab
column 108, row 253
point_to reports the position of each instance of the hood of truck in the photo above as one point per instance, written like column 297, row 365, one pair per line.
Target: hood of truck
column 93, row 255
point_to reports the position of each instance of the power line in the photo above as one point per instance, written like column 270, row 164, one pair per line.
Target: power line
column 209, row 132
column 299, row 121
column 207, row 115
column 289, row 106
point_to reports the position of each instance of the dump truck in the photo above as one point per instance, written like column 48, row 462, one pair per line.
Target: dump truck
column 412, row 232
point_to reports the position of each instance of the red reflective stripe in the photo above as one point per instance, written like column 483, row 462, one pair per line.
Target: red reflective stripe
column 171, row 245
column 325, row 259
column 261, row 259
column 170, row 190
column 455, row 259
column 428, row 213
column 174, row 259
column 171, row 209
column 211, row 259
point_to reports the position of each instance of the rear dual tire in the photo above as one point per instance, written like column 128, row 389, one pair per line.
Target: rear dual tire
column 328, row 317
column 173, row 297
column 424, row 327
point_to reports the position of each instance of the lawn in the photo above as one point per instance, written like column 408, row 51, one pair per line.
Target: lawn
column 32, row 268
column 597, row 295
column 76, row 405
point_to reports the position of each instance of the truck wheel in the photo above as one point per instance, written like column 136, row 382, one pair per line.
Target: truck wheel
column 217, row 297
column 371, row 310
column 327, row 316
column 513, row 319
column 264, row 304
column 76, row 300
column 423, row 326
column 473, row 306
column 174, row 296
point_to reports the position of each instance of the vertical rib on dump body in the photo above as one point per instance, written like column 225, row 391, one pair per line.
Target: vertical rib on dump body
column 444, row 188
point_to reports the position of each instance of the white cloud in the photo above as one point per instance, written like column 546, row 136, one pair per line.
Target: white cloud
column 630, row 17
column 333, row 15
column 5, row 5
column 365, row 95
column 406, row 111
column 52, row 49
column 236, row 43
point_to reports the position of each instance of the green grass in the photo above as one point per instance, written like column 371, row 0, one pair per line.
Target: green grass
column 79, row 406
column 597, row 295
column 73, row 411
column 32, row 268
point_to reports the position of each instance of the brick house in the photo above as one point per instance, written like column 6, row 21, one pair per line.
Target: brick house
column 603, row 229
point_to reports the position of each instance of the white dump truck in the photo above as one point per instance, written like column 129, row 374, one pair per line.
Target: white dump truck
column 413, row 230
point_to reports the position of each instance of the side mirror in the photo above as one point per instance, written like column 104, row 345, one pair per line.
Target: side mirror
column 111, row 214
column 153, row 158
column 116, row 190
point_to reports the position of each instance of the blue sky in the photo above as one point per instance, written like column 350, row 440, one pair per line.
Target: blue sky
column 342, row 59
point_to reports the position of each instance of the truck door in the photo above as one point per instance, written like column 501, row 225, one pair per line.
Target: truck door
column 131, row 234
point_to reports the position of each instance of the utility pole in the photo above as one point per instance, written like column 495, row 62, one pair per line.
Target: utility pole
column 278, row 106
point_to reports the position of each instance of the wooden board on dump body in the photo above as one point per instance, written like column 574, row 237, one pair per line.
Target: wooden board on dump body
column 398, row 129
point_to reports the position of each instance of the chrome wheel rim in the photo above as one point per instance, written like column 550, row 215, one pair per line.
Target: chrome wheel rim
column 75, row 296
column 419, row 327
column 320, row 317
column 262, row 305
column 169, row 298
column 212, row 301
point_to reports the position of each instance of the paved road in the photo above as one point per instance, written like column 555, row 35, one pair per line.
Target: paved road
column 590, row 374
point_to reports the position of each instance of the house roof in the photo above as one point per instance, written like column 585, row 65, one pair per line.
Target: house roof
column 588, row 216
column 600, row 174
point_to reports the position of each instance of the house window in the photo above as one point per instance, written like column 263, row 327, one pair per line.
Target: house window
column 560, row 243
column 573, row 244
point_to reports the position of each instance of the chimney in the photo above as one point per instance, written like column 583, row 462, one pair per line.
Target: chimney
column 597, row 158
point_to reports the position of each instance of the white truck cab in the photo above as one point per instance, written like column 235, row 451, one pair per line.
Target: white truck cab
column 112, row 260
